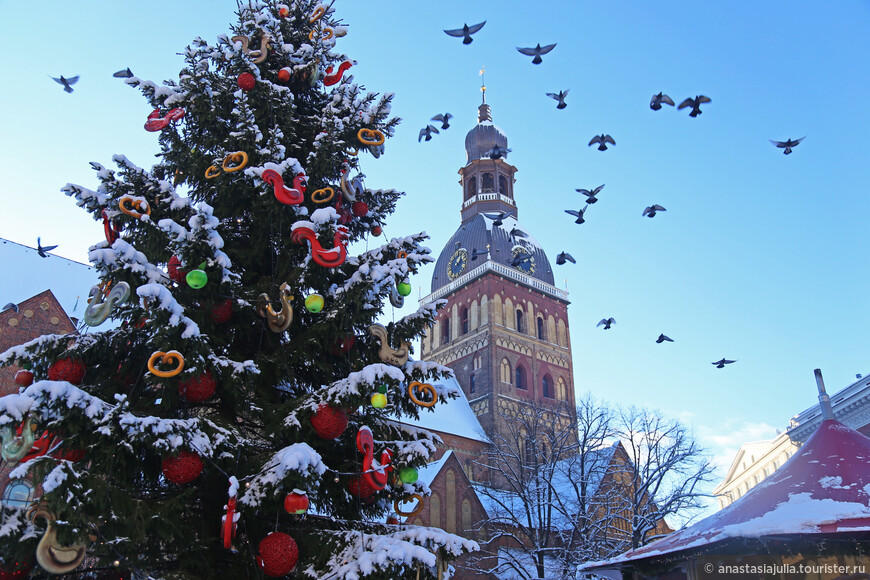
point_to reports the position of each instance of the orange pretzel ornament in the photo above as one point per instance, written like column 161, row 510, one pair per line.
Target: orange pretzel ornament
column 417, row 509
column 424, row 387
column 134, row 207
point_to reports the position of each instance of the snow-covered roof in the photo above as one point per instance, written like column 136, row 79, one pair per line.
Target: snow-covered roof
column 28, row 274
column 428, row 473
column 454, row 417
column 824, row 488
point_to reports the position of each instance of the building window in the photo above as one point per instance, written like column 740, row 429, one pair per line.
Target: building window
column 505, row 369
column 466, row 516
column 520, row 317
column 463, row 320
column 434, row 511
column 445, row 331
column 450, row 504
column 471, row 188
column 18, row 493
column 487, row 185
column 541, row 334
column 471, row 385
column 502, row 185
column 521, row 378
column 547, row 384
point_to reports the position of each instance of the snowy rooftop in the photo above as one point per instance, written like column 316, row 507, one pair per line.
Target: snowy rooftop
column 454, row 417
column 824, row 488
column 26, row 274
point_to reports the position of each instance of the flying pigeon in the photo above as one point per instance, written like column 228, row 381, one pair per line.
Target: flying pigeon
column 66, row 82
column 787, row 145
column 560, row 97
column 695, row 104
column 606, row 322
column 445, row 119
column 562, row 257
column 517, row 233
column 520, row 258
column 475, row 253
column 497, row 152
column 656, row 102
column 662, row 338
column 720, row 364
column 590, row 195
column 650, row 211
column 578, row 214
column 537, row 52
column 466, row 31
column 496, row 218
column 602, row 141
column 11, row 305
column 43, row 250
column 123, row 74
column 426, row 132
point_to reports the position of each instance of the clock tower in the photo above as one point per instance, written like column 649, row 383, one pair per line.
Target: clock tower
column 504, row 330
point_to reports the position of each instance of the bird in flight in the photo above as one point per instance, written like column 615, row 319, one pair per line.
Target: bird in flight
column 695, row 104
column 578, row 213
column 517, row 233
column 43, row 250
column 602, row 141
column 465, row 32
column 590, row 194
column 788, row 144
column 656, row 101
column 123, row 74
column 496, row 218
column 475, row 253
column 606, row 322
column 445, row 119
column 560, row 96
column 537, row 52
column 662, row 338
column 66, row 82
column 720, row 364
column 497, row 152
column 426, row 132
column 650, row 211
column 563, row 257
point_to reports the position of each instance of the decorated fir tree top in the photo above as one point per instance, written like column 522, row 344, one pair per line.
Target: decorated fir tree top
column 247, row 376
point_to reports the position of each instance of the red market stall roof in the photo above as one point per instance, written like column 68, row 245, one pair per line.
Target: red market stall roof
column 823, row 489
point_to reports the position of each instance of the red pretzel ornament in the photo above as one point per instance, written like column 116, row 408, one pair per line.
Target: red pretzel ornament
column 283, row 193
column 376, row 477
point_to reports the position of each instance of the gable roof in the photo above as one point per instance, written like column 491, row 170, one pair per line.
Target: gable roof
column 824, row 488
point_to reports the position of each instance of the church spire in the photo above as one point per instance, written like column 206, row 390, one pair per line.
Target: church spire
column 484, row 113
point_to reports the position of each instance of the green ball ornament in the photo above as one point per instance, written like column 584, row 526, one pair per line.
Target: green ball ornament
column 408, row 475
column 196, row 279
column 382, row 389
column 314, row 303
column 379, row 400
column 404, row 288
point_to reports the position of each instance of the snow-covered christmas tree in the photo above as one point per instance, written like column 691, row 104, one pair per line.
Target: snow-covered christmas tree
column 242, row 416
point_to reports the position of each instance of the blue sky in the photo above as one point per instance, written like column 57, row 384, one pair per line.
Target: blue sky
column 760, row 257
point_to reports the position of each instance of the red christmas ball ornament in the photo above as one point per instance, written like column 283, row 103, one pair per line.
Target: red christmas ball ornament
column 296, row 502
column 183, row 468
column 392, row 521
column 246, row 81
column 24, row 378
column 73, row 455
column 197, row 389
column 176, row 274
column 359, row 208
column 277, row 555
column 67, row 369
column 377, row 230
column 222, row 311
column 284, row 75
column 344, row 345
column 283, row 12
column 329, row 422
column 360, row 487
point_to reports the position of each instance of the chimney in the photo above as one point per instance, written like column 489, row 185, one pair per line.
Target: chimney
column 824, row 399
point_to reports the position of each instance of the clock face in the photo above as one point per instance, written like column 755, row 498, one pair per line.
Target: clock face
column 457, row 264
column 523, row 260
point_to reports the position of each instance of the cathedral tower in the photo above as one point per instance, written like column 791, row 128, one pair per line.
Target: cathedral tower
column 504, row 330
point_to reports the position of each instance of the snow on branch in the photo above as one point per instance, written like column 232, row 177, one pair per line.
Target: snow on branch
column 166, row 301
column 298, row 460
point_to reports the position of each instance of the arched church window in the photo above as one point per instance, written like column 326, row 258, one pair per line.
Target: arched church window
column 547, row 386
column 470, row 187
column 505, row 373
column 560, row 390
column 471, row 385
column 463, row 320
column 521, row 378
column 502, row 185
column 541, row 329
column 466, row 516
column 445, row 331
column 487, row 184
column 520, row 316
column 450, row 504
column 434, row 510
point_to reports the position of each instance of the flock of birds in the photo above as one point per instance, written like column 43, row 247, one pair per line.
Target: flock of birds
column 657, row 101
